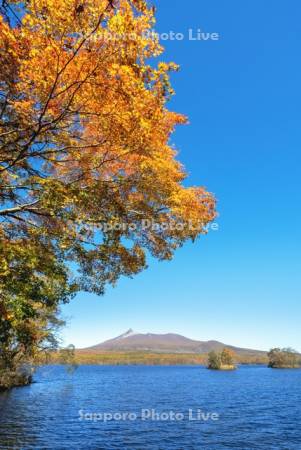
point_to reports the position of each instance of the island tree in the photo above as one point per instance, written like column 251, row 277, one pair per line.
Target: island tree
column 227, row 357
column 283, row 358
column 88, row 173
column 214, row 360
column 224, row 360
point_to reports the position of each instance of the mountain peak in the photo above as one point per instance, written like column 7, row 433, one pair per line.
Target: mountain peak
column 162, row 343
column 128, row 333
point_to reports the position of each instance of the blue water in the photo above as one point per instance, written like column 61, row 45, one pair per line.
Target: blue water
column 251, row 408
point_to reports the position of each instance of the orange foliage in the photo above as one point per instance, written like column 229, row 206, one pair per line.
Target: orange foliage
column 85, row 137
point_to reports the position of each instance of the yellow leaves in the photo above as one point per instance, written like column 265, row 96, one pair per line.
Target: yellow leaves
column 34, row 52
column 117, row 24
column 166, row 67
column 92, row 115
column 8, row 42
column 145, row 124
column 4, row 268
column 141, row 5
column 5, row 31
column 194, row 207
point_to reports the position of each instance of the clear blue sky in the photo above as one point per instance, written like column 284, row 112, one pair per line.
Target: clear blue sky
column 241, row 284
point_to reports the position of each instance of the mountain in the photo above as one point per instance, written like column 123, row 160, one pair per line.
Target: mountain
column 164, row 343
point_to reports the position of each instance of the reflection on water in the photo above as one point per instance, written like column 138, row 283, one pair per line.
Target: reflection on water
column 257, row 408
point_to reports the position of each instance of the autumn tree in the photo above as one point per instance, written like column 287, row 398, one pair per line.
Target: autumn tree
column 34, row 281
column 214, row 360
column 283, row 358
column 87, row 169
column 227, row 357
column 223, row 360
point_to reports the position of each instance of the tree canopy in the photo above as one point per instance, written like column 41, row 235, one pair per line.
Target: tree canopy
column 283, row 358
column 86, row 159
column 223, row 360
column 84, row 138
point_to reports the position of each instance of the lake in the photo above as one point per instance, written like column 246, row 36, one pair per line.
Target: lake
column 138, row 407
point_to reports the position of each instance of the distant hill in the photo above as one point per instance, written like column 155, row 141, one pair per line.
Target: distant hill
column 164, row 343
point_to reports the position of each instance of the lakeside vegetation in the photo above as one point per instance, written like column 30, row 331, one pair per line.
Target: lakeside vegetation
column 285, row 358
column 20, row 377
column 224, row 360
column 81, row 357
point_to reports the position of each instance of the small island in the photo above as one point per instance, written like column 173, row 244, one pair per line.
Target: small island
column 224, row 360
column 285, row 358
